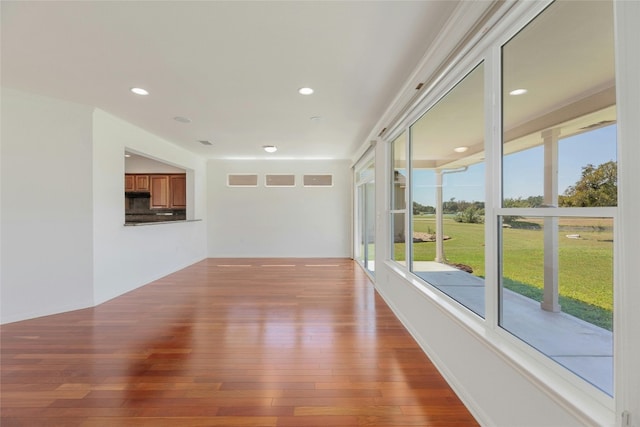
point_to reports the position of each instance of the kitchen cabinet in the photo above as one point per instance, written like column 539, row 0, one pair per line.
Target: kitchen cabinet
column 142, row 182
column 178, row 191
column 129, row 183
column 166, row 190
column 159, row 191
column 136, row 182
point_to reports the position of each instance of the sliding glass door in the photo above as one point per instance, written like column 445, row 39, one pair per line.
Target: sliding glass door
column 365, row 216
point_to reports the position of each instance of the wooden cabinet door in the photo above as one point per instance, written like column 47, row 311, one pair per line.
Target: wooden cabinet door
column 159, row 191
column 135, row 182
column 178, row 191
column 129, row 183
column 142, row 182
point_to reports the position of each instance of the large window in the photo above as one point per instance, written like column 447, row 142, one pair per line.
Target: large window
column 447, row 190
column 534, row 231
column 398, row 197
column 559, row 187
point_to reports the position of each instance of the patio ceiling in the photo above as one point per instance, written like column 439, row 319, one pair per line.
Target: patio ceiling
column 584, row 101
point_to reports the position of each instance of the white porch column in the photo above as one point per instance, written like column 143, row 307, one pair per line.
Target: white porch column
column 550, row 295
column 439, row 219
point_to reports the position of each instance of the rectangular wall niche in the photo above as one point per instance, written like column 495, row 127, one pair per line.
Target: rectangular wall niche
column 242, row 180
column 278, row 180
column 318, row 180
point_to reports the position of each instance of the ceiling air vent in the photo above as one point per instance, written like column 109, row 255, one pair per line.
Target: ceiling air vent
column 318, row 180
column 272, row 180
column 242, row 180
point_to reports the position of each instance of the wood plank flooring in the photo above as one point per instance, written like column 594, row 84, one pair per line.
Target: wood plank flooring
column 227, row 342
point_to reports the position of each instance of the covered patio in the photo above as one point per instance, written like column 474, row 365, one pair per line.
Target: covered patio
column 583, row 348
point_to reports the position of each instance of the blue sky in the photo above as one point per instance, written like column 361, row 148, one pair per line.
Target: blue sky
column 523, row 171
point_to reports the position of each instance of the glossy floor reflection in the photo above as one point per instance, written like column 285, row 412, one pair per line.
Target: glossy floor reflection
column 229, row 342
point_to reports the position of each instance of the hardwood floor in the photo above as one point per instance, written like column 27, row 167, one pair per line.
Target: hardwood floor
column 227, row 342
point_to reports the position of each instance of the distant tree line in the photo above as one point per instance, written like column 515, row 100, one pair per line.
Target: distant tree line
column 452, row 206
column 529, row 202
column 597, row 186
column 419, row 209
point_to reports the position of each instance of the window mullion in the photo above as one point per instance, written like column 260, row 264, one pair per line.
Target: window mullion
column 493, row 182
column 409, row 206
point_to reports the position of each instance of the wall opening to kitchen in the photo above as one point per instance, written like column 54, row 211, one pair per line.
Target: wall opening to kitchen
column 154, row 191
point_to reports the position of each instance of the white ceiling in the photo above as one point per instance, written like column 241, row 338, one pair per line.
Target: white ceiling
column 233, row 68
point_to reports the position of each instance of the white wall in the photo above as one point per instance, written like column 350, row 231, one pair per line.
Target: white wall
column 627, row 295
column 64, row 243
column 128, row 257
column 279, row 222
column 46, row 206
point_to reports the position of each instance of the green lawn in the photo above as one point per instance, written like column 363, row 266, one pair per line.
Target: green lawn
column 585, row 264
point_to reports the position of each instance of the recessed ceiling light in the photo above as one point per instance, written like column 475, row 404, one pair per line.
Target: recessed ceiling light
column 182, row 119
column 127, row 155
column 315, row 118
column 270, row 148
column 205, row 142
column 460, row 149
column 517, row 92
column 305, row 91
column 139, row 91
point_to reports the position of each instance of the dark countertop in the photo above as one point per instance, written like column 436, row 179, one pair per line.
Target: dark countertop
column 135, row 224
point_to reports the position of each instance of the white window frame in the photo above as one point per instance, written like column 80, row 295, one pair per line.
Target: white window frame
column 627, row 294
column 566, row 387
column 553, row 376
column 392, row 212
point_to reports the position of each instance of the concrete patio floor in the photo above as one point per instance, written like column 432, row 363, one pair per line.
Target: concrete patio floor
column 581, row 347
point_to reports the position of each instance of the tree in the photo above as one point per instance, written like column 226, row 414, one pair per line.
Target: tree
column 450, row 207
column 598, row 186
column 422, row 209
column 529, row 202
column 471, row 215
